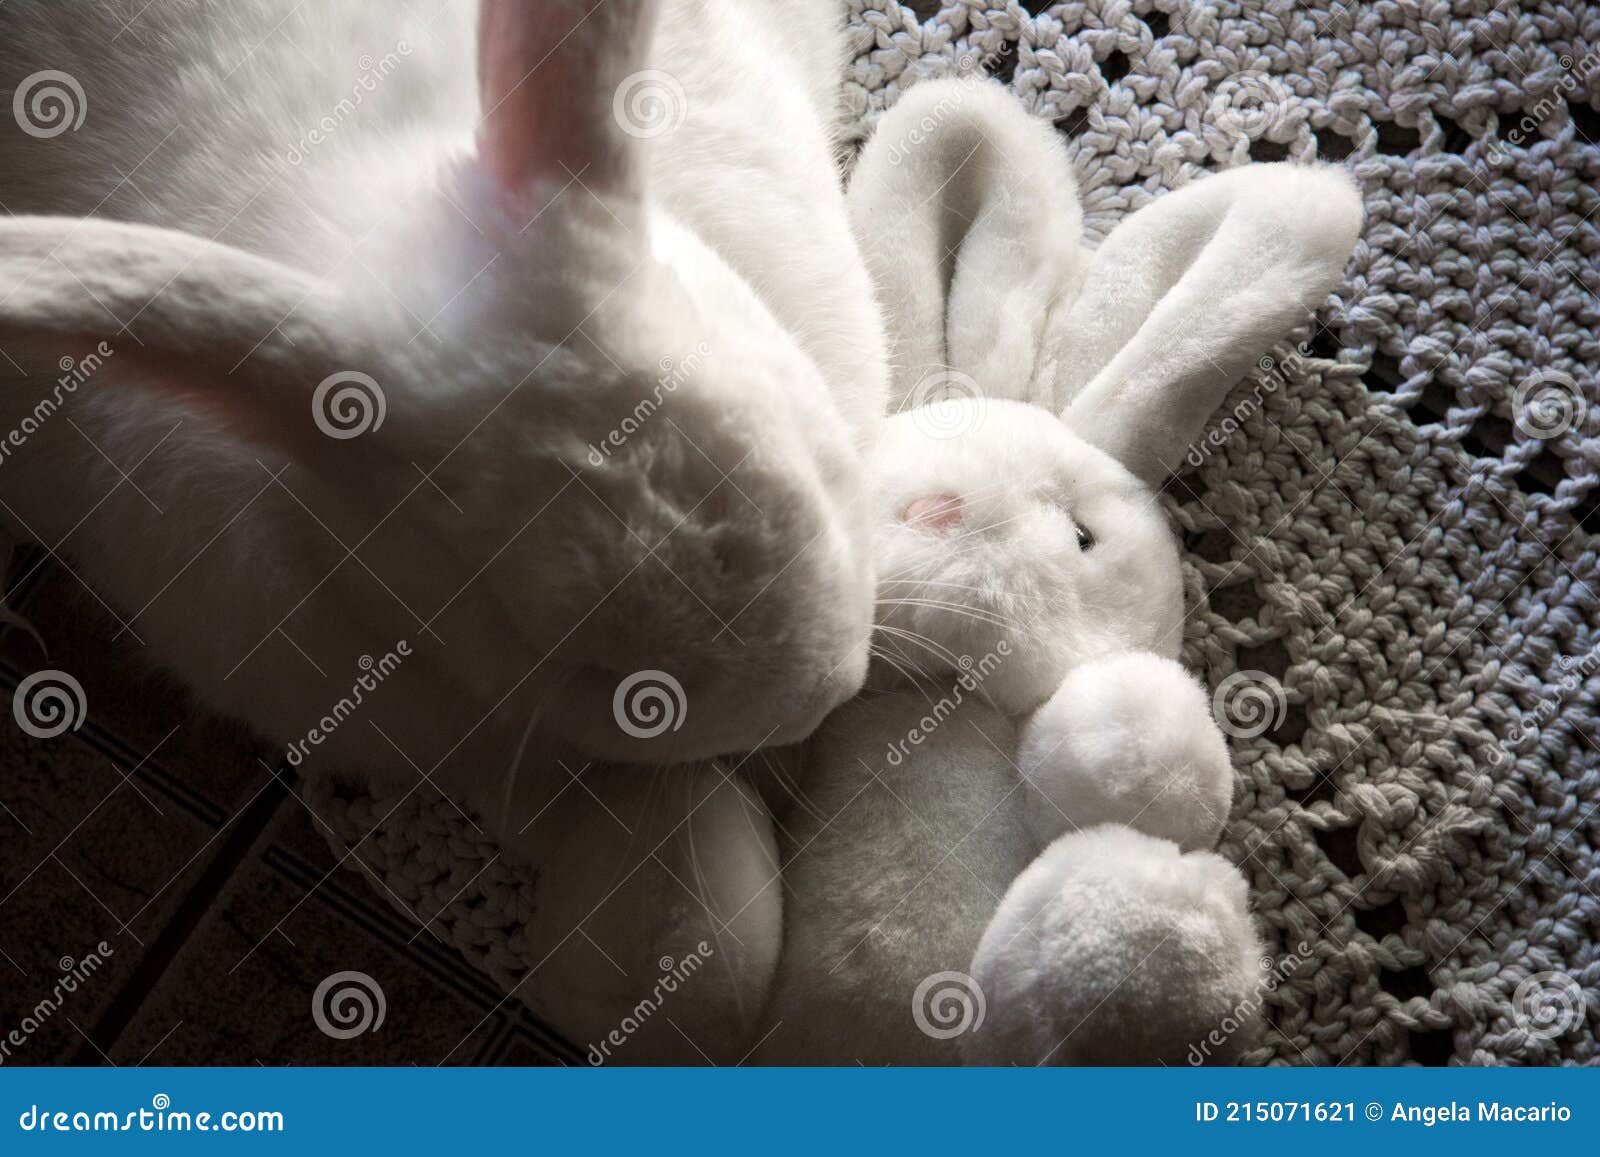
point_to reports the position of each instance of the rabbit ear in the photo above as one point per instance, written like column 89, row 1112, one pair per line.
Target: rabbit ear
column 561, row 88
column 967, row 214
column 1184, row 297
column 244, row 338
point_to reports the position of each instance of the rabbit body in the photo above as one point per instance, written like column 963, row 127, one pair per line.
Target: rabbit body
column 1000, row 853
column 519, row 296
column 1017, row 814
column 486, row 518
column 408, row 405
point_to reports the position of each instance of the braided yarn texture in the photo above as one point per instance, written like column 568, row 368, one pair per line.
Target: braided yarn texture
column 1391, row 530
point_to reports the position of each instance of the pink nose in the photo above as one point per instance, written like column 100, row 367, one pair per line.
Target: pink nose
column 936, row 512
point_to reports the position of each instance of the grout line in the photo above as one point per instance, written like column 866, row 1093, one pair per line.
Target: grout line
column 248, row 827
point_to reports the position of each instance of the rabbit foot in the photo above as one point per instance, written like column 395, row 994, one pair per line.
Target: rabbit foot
column 1128, row 740
column 1116, row 948
column 659, row 915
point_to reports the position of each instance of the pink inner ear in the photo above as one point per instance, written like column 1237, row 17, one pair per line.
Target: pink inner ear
column 508, row 34
column 939, row 513
column 548, row 76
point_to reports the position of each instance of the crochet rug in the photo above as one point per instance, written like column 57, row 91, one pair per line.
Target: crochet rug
column 1391, row 533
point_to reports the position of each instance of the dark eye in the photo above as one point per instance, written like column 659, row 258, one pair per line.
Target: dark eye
column 1085, row 539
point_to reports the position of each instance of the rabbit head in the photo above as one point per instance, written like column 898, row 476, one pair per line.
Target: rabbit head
column 1043, row 391
column 598, row 454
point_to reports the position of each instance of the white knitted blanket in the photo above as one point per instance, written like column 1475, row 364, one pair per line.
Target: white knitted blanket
column 1391, row 547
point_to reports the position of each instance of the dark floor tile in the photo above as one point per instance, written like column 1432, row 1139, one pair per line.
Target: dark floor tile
column 209, row 765
column 241, row 991
column 160, row 831
column 88, row 853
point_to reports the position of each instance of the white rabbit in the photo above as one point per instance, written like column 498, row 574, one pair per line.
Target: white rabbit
column 1030, row 613
column 244, row 212
column 1031, row 598
column 317, row 375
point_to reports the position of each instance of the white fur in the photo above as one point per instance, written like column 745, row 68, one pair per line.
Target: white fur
column 968, row 216
column 1115, row 948
column 511, row 332
column 511, row 328
column 1128, row 740
column 681, row 866
column 1026, row 683
column 1011, row 571
column 1114, row 945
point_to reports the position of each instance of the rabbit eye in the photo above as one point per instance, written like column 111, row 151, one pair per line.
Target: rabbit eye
column 1085, row 539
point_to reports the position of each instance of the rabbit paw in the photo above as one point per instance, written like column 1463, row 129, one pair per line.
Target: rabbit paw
column 1115, row 948
column 647, row 884
column 1128, row 740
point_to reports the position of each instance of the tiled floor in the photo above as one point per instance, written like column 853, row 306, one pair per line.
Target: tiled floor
column 161, row 831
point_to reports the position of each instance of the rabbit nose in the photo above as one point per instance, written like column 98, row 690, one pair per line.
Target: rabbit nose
column 939, row 513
